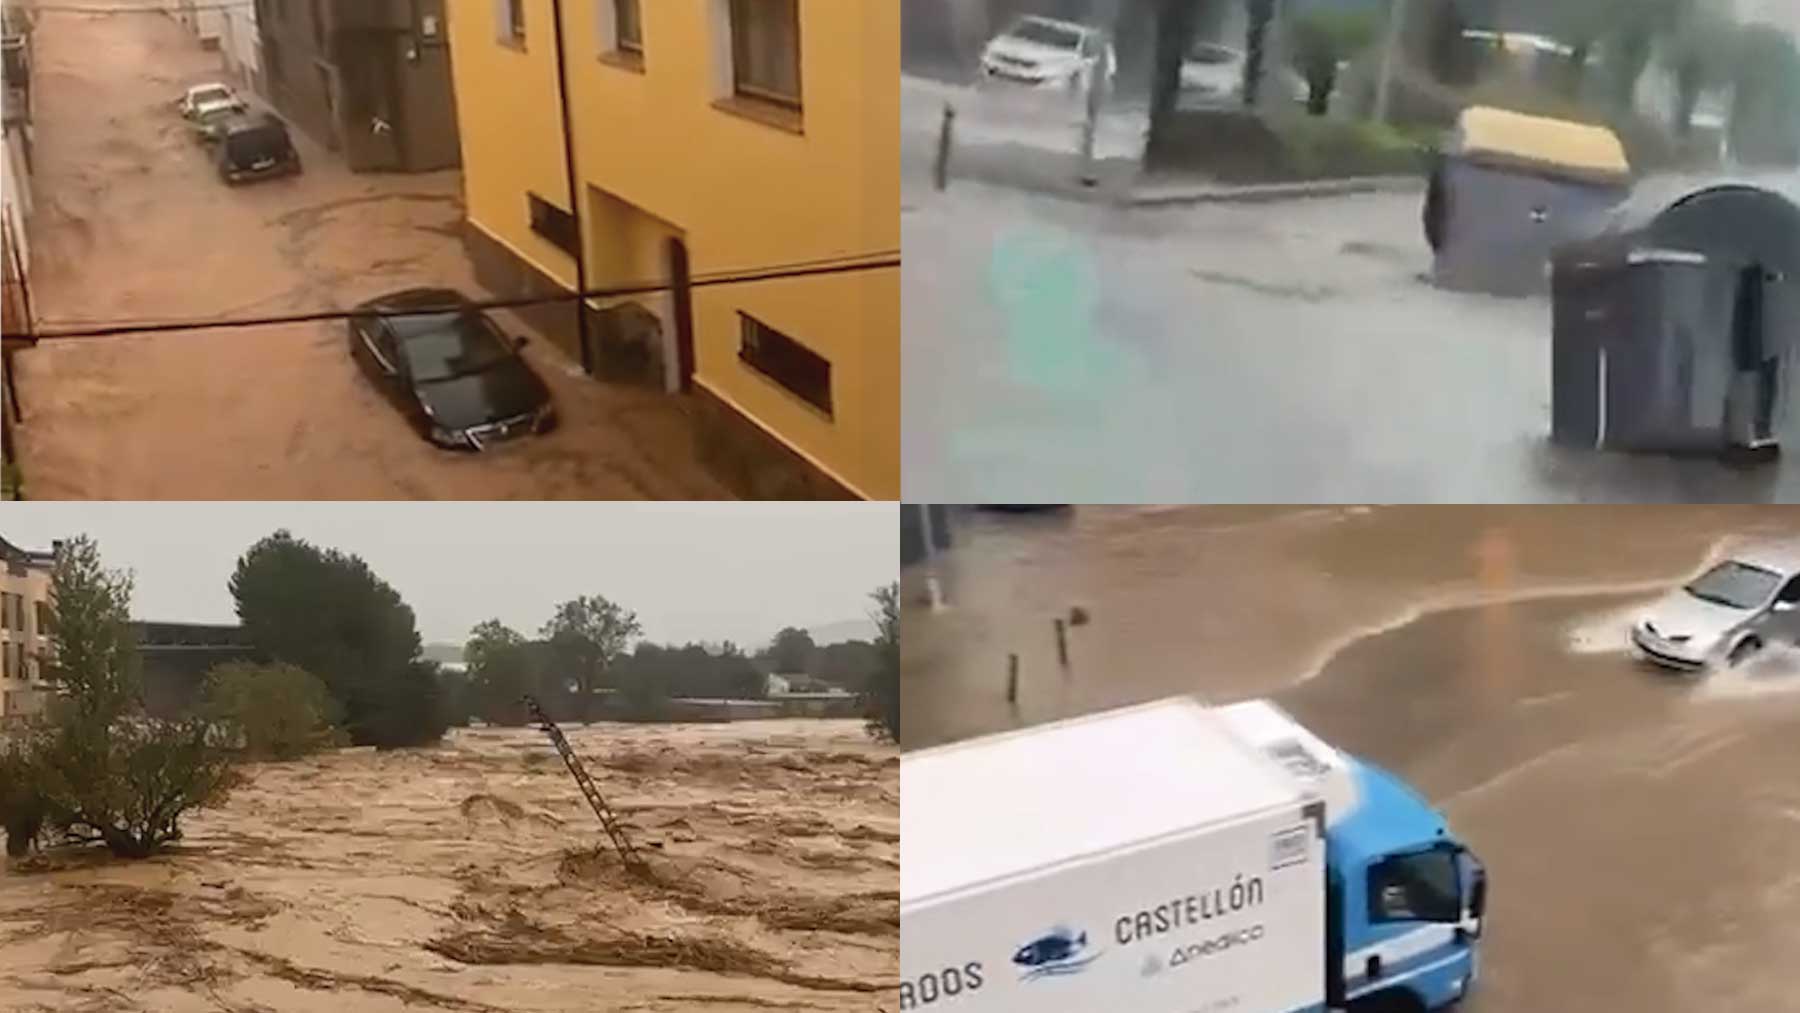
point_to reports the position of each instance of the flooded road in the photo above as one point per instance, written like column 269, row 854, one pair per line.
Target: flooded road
column 1640, row 827
column 134, row 224
column 1285, row 351
column 465, row 879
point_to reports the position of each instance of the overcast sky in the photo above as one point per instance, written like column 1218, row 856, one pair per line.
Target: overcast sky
column 691, row 571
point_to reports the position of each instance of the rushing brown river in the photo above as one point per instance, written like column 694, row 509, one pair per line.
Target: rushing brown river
column 466, row 878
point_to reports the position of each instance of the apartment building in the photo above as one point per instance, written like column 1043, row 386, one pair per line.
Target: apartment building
column 367, row 78
column 24, row 627
column 709, row 137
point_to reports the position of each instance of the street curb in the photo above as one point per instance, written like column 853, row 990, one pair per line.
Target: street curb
column 1265, row 192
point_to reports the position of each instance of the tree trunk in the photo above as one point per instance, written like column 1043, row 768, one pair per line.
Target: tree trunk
column 125, row 844
column 1319, row 87
column 1687, row 97
column 1256, row 40
column 1175, row 24
column 586, row 685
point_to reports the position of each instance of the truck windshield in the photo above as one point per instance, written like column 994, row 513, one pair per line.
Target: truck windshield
column 1735, row 585
column 1420, row 887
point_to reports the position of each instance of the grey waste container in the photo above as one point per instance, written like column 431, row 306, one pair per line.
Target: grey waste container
column 1508, row 189
column 1674, row 326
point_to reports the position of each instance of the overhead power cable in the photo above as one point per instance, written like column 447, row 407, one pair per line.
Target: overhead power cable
column 783, row 272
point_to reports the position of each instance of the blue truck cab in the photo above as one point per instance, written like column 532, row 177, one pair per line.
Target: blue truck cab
column 1405, row 898
column 1404, row 901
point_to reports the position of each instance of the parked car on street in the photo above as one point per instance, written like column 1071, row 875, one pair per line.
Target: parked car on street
column 449, row 370
column 202, row 98
column 209, row 126
column 1728, row 613
column 1213, row 72
column 255, row 147
column 1046, row 53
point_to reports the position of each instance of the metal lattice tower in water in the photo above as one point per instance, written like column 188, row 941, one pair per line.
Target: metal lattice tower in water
column 609, row 821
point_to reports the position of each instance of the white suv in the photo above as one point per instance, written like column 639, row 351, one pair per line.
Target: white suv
column 1046, row 53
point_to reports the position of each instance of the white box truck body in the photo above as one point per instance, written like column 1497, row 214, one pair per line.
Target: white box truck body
column 1146, row 860
column 1176, row 858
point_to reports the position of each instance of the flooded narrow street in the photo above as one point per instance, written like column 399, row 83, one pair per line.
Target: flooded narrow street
column 266, row 412
column 1640, row 826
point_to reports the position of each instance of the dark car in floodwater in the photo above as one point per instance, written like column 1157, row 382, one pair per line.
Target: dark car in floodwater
column 449, row 370
column 255, row 147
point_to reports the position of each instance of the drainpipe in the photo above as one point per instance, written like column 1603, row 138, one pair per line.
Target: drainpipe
column 568, row 139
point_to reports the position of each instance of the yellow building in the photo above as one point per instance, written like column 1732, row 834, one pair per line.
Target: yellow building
column 24, row 620
column 737, row 135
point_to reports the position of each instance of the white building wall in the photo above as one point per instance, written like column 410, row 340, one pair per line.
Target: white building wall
column 242, row 46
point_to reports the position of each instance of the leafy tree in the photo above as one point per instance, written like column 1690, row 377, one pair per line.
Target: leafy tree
column 126, row 784
column 22, row 806
column 1764, row 127
column 276, row 711
column 500, row 673
column 326, row 612
column 408, row 709
column 646, row 693
column 694, row 670
column 791, row 650
column 103, row 771
column 93, row 651
column 589, row 634
column 1323, row 37
column 884, row 695
column 458, row 695
column 1702, row 52
column 850, row 664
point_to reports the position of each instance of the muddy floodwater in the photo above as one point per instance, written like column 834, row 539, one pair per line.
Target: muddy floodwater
column 466, row 878
column 1642, row 828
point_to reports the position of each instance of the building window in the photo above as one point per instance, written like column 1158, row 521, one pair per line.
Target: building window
column 621, row 25
column 765, row 51
column 801, row 370
column 554, row 224
column 628, row 27
column 43, row 619
column 509, row 19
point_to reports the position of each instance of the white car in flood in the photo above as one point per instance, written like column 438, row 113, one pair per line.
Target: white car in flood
column 1728, row 613
column 1047, row 53
column 206, row 99
column 1213, row 72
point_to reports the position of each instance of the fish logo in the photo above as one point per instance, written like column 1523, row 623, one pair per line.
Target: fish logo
column 1059, row 951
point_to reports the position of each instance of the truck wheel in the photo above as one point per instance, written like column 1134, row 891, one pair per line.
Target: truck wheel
column 1394, row 1001
column 1744, row 650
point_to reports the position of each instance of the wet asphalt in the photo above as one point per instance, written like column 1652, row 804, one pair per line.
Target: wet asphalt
column 1642, row 829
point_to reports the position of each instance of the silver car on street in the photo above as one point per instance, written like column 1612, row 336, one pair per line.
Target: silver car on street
column 1727, row 614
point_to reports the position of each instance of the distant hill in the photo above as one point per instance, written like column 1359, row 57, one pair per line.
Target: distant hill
column 837, row 633
column 443, row 654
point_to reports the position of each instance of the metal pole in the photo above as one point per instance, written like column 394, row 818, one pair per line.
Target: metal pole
column 568, row 139
column 1389, row 51
column 1090, row 124
column 941, row 169
column 934, row 589
column 1012, row 678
